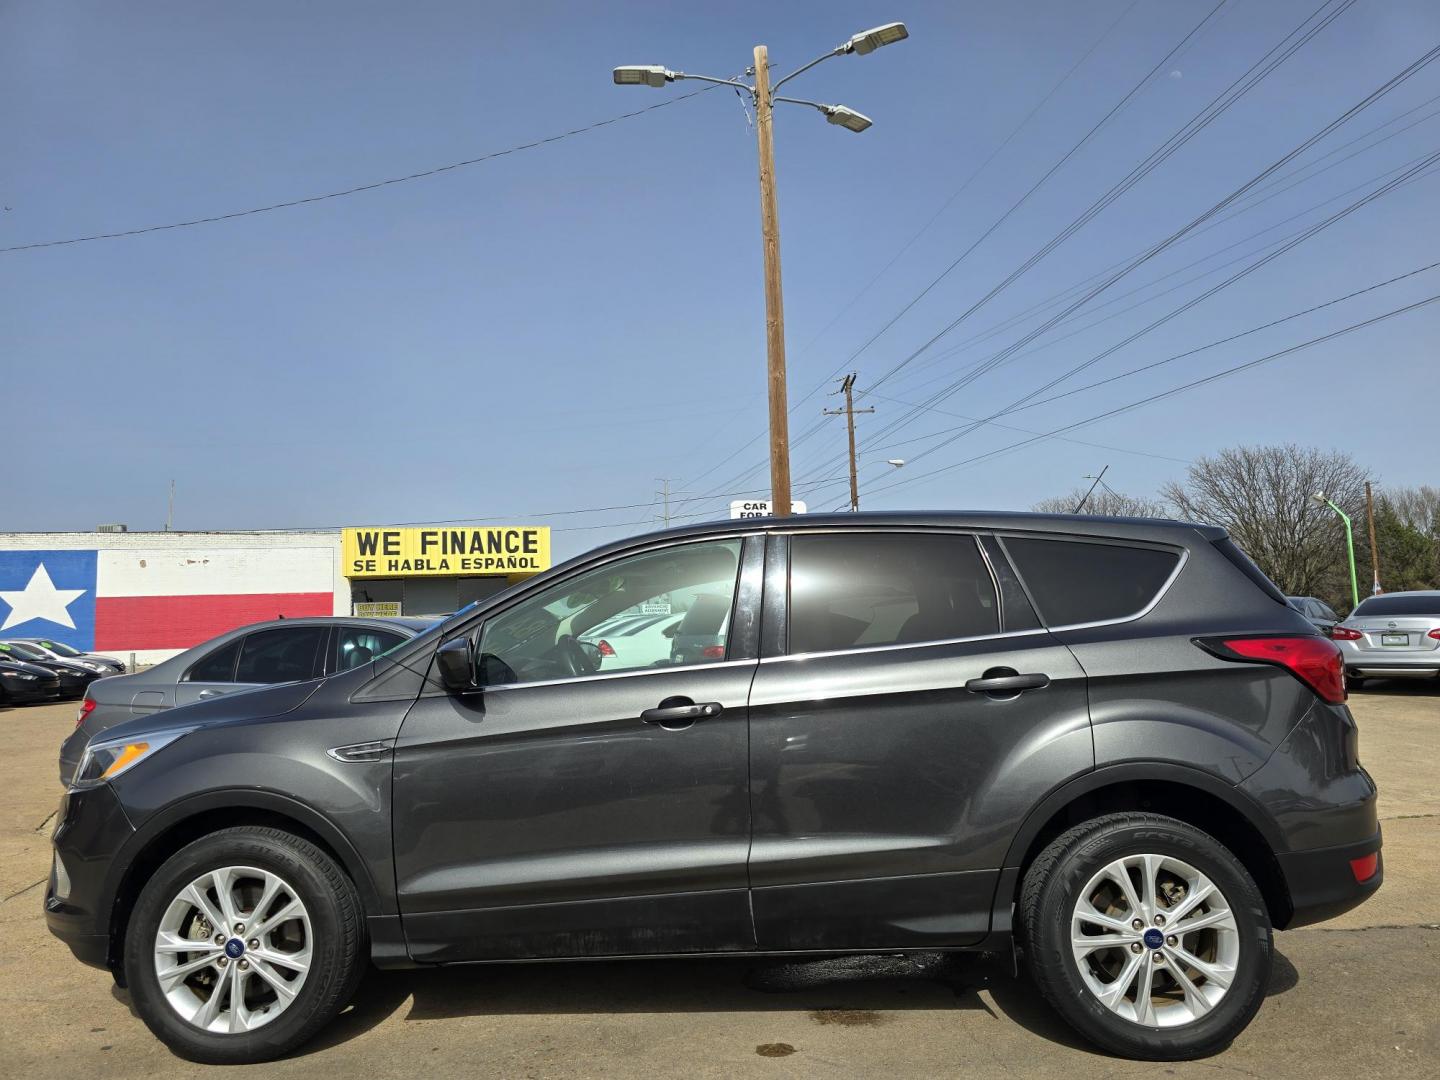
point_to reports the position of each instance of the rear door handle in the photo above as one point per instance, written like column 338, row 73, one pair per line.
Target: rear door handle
column 209, row 693
column 1007, row 684
column 681, row 714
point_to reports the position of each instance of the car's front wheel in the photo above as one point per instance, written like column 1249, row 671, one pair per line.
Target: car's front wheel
column 243, row 945
column 1147, row 935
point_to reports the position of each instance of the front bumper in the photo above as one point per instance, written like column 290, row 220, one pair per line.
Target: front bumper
column 91, row 830
column 18, row 693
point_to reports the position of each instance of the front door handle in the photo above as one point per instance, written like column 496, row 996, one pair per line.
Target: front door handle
column 680, row 711
column 209, row 693
column 1005, row 682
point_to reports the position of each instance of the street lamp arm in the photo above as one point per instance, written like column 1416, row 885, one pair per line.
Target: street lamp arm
column 801, row 101
column 801, row 70
column 678, row 75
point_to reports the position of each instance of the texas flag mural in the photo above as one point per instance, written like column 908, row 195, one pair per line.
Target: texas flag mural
column 137, row 600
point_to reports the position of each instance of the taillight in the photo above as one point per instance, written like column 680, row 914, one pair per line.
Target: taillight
column 1315, row 661
column 713, row 652
column 86, row 708
column 1434, row 633
column 606, row 649
column 1344, row 633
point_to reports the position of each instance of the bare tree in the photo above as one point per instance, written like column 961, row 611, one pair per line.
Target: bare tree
column 1105, row 502
column 1417, row 507
column 1261, row 496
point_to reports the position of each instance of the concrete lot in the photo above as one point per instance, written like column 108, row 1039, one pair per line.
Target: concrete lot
column 1350, row 998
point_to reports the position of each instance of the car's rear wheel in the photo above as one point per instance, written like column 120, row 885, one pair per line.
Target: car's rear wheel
column 1147, row 935
column 243, row 945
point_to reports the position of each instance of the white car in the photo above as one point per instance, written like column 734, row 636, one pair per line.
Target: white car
column 629, row 640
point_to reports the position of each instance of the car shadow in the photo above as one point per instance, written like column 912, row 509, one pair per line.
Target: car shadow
column 850, row 991
column 1397, row 687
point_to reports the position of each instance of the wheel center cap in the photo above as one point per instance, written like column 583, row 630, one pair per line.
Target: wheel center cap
column 235, row 948
column 1153, row 939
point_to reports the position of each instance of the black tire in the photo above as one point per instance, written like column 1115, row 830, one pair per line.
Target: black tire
column 1052, row 886
column 338, row 941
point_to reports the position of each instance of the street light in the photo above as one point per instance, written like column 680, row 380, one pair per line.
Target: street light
column 1319, row 499
column 764, row 96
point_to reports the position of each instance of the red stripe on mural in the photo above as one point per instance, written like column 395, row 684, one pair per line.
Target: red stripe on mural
column 177, row 622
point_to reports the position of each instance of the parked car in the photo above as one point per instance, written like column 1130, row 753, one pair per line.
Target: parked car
column 61, row 651
column 283, row 650
column 1320, row 614
column 1394, row 635
column 75, row 677
column 618, row 639
column 22, row 683
column 1111, row 739
column 700, row 635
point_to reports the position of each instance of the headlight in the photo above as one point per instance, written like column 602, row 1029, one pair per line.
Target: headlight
column 107, row 759
column 19, row 675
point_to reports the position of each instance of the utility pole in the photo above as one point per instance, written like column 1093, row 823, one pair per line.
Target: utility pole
column 1374, row 550
column 170, row 507
column 764, row 95
column 1086, row 499
column 847, row 386
column 774, row 299
column 664, row 493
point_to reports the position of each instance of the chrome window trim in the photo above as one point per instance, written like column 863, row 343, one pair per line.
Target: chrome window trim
column 1154, row 602
column 903, row 645
column 572, row 679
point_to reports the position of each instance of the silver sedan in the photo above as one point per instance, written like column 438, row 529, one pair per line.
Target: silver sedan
column 1395, row 634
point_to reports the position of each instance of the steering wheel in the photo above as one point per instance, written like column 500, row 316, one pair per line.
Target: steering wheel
column 573, row 657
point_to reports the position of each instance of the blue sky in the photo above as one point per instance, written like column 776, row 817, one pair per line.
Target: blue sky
column 555, row 329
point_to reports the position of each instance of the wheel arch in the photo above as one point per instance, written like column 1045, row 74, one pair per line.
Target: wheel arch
column 1229, row 815
column 169, row 830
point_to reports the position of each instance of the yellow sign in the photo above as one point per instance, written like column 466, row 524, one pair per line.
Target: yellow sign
column 498, row 550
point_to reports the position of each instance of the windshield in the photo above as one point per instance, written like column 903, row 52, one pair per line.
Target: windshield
column 61, row 648
column 1416, row 604
column 20, row 649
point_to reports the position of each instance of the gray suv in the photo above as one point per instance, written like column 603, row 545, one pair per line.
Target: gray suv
column 1111, row 742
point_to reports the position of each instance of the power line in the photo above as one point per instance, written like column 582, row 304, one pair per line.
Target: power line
column 1000, row 357
column 362, row 187
column 1173, row 391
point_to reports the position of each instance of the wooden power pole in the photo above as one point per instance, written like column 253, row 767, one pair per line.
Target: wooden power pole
column 1374, row 550
column 847, row 386
column 774, row 301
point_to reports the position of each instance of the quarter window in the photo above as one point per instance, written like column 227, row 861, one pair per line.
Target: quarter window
column 856, row 591
column 284, row 654
column 656, row 610
column 219, row 666
column 1077, row 582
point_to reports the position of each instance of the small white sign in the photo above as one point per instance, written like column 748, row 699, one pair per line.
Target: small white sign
column 755, row 508
column 377, row 609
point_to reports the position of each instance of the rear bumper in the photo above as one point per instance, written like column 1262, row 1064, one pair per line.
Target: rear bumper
column 1364, row 664
column 1323, row 882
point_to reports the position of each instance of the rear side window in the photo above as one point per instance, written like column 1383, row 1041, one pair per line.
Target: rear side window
column 856, row 591
column 219, row 666
column 1078, row 582
column 285, row 654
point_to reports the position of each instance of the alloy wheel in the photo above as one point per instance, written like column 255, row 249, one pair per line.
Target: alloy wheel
column 233, row 949
column 1155, row 940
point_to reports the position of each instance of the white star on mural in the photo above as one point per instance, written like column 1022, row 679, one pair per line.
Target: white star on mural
column 40, row 600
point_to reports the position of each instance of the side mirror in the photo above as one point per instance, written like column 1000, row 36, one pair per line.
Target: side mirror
column 456, row 663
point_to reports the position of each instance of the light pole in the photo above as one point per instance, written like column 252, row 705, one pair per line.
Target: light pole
column 763, row 95
column 1320, row 500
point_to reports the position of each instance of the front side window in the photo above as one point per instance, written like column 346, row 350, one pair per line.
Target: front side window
column 356, row 645
column 285, row 654
column 858, row 590
column 1073, row 581
column 558, row 632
